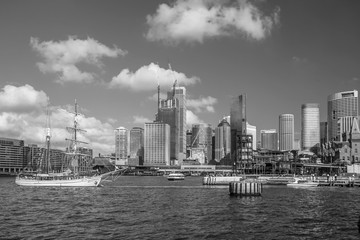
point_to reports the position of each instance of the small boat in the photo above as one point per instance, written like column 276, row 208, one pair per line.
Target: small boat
column 176, row 176
column 301, row 182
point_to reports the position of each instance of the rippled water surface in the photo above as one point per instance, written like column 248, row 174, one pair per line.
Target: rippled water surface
column 154, row 208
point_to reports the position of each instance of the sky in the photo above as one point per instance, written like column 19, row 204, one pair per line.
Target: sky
column 110, row 55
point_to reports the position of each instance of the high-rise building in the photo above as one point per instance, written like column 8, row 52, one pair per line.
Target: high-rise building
column 201, row 142
column 269, row 139
column 156, row 144
column 251, row 130
column 310, row 126
column 180, row 95
column 323, row 132
column 222, row 140
column 341, row 104
column 137, row 145
column 241, row 142
column 169, row 113
column 122, row 146
column 286, row 132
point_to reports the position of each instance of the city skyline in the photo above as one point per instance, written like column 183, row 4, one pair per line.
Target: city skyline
column 111, row 56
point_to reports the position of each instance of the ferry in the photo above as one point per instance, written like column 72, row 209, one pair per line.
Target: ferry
column 176, row 176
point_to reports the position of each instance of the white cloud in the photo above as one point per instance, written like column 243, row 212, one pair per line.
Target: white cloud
column 62, row 57
column 147, row 77
column 23, row 99
column 141, row 120
column 191, row 119
column 26, row 119
column 203, row 103
column 196, row 20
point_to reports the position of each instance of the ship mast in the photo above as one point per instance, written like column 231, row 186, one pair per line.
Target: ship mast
column 73, row 148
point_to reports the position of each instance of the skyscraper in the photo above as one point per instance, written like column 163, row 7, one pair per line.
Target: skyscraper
column 222, row 140
column 169, row 113
column 137, row 144
column 341, row 104
column 286, row 132
column 122, row 147
column 241, row 143
column 156, row 144
column 323, row 132
column 269, row 139
column 310, row 126
column 251, row 130
column 201, row 142
column 180, row 95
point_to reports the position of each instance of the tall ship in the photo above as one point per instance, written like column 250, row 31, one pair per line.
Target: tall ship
column 70, row 174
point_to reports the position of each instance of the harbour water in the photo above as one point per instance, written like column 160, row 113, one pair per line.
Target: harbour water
column 154, row 208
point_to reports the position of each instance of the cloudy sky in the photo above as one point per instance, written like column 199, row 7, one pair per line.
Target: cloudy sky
column 110, row 55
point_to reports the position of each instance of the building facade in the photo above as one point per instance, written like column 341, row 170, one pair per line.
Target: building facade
column 323, row 132
column 12, row 155
column 156, row 144
column 122, row 146
column 310, row 126
column 269, row 139
column 286, row 132
column 241, row 141
column 222, row 140
column 169, row 113
column 201, row 142
column 341, row 104
column 251, row 130
column 136, row 146
column 180, row 95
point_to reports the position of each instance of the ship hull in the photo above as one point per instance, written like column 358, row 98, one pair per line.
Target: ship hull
column 78, row 182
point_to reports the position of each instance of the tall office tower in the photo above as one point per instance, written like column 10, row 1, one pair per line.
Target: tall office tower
column 241, row 142
column 122, row 147
column 180, row 95
column 341, row 104
column 269, row 139
column 169, row 113
column 345, row 125
column 11, row 155
column 156, row 144
column 201, row 142
column 222, row 140
column 310, row 126
column 188, row 143
column 286, row 132
column 251, row 130
column 323, row 132
column 137, row 145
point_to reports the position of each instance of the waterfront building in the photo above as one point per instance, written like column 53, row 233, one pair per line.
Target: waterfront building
column 341, row 104
column 201, row 142
column 269, row 139
column 241, row 142
column 122, row 146
column 136, row 146
column 11, row 155
column 222, row 140
column 156, row 144
column 286, row 132
column 310, row 126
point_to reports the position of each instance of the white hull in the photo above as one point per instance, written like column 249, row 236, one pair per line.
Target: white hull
column 176, row 176
column 78, row 182
column 298, row 182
